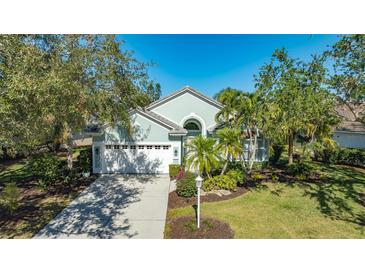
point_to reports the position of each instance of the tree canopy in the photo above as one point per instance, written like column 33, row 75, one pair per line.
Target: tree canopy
column 51, row 86
column 348, row 78
column 297, row 98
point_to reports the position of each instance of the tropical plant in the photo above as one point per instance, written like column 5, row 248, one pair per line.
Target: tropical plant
column 219, row 182
column 250, row 120
column 237, row 175
column 227, row 114
column 10, row 197
column 229, row 145
column 202, row 155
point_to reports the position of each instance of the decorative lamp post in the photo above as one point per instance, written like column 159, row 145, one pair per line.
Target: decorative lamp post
column 198, row 183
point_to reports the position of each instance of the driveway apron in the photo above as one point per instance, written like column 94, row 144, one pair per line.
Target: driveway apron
column 115, row 206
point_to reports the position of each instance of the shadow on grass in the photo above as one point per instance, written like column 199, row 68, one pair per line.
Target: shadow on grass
column 339, row 192
column 339, row 199
column 20, row 176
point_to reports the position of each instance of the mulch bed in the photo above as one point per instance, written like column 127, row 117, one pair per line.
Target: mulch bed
column 176, row 201
column 185, row 228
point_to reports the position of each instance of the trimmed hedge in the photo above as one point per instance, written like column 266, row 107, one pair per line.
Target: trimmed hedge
column 347, row 156
column 351, row 156
column 174, row 170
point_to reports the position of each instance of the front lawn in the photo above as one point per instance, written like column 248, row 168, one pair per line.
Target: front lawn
column 331, row 207
column 37, row 205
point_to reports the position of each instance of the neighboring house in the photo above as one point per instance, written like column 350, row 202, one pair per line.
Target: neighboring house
column 350, row 133
column 159, row 135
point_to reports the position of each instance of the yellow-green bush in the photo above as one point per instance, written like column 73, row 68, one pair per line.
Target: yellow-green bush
column 174, row 171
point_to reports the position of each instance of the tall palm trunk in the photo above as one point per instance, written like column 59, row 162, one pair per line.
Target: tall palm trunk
column 225, row 164
column 253, row 149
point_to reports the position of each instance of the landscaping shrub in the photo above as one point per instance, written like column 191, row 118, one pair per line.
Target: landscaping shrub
column 237, row 175
column 326, row 152
column 347, row 156
column 256, row 176
column 275, row 153
column 300, row 169
column 45, row 168
column 174, row 170
column 185, row 187
column 351, row 156
column 10, row 197
column 219, row 182
column 85, row 160
column 259, row 165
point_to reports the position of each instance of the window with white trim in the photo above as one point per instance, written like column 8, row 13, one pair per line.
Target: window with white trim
column 124, row 146
column 165, row 147
column 140, row 147
column 149, row 147
column 157, row 147
column 132, row 147
column 108, row 146
column 116, row 146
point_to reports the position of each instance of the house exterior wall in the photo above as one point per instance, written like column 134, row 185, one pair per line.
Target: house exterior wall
column 349, row 139
column 179, row 108
column 144, row 130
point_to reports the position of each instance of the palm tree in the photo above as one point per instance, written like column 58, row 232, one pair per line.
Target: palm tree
column 202, row 155
column 229, row 99
column 229, row 144
column 250, row 118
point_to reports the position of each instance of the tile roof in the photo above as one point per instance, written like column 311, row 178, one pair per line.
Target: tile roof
column 349, row 122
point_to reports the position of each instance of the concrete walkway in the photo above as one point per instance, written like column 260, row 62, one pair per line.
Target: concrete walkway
column 115, row 206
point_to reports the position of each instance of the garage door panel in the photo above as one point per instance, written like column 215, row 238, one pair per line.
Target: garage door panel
column 138, row 160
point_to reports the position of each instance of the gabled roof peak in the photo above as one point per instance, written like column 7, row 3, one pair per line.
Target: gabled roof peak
column 181, row 92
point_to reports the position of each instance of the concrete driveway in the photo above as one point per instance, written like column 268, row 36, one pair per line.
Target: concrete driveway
column 115, row 206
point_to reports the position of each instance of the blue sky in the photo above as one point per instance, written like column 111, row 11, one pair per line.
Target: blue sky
column 210, row 63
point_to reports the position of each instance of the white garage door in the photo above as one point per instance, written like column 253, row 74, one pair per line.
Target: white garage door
column 138, row 158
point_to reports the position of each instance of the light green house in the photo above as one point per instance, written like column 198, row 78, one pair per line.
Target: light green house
column 160, row 132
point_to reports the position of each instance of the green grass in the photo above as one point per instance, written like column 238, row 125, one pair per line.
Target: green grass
column 330, row 208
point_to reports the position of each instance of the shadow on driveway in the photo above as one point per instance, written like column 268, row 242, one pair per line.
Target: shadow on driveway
column 100, row 211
